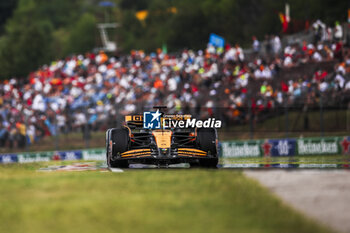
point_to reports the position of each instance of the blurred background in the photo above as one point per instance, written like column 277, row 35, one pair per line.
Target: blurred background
column 71, row 69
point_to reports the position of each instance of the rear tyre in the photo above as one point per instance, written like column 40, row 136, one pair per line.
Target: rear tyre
column 118, row 142
column 206, row 141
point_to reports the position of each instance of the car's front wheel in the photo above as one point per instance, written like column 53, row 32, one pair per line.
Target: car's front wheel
column 117, row 143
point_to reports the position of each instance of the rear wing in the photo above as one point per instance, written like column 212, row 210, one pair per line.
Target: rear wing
column 137, row 120
column 134, row 120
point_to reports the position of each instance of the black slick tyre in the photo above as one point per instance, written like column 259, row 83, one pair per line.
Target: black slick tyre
column 118, row 142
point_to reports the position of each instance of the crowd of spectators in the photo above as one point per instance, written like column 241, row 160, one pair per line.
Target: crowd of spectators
column 94, row 91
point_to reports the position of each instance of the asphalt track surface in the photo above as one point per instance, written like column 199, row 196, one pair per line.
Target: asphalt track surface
column 321, row 194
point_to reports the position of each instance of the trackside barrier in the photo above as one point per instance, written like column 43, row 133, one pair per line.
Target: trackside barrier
column 29, row 157
column 286, row 147
column 229, row 149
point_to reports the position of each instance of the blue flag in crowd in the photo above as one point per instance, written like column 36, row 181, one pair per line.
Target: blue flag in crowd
column 216, row 40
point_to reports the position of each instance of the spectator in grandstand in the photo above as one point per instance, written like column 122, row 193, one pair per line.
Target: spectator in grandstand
column 276, row 44
column 338, row 31
column 256, row 45
column 319, row 31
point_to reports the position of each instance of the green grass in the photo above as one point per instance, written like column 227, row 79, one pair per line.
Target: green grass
column 152, row 200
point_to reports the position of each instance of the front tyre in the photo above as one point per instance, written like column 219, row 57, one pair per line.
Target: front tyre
column 117, row 143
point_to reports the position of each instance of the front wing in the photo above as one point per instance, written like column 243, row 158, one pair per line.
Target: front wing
column 169, row 156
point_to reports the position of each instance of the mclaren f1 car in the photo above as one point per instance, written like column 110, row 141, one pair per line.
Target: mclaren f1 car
column 133, row 143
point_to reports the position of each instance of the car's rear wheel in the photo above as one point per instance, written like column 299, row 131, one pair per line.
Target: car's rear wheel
column 118, row 142
column 206, row 141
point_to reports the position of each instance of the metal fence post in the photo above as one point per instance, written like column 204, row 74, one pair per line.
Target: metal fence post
column 286, row 114
column 86, row 132
column 56, row 132
column 250, row 110
column 321, row 115
column 348, row 118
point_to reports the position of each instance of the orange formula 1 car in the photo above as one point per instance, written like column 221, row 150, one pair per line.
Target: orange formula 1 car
column 135, row 143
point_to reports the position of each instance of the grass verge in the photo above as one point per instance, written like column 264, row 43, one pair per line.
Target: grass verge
column 152, row 200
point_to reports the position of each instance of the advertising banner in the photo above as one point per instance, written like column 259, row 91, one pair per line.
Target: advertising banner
column 34, row 157
column 318, row 146
column 8, row 158
column 241, row 149
column 344, row 143
column 279, row 147
column 286, row 147
column 70, row 155
column 94, row 154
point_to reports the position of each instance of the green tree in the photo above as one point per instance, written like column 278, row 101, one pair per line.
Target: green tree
column 6, row 9
column 236, row 20
column 82, row 35
column 132, row 32
column 27, row 44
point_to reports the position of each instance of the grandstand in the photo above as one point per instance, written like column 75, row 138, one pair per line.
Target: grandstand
column 92, row 92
